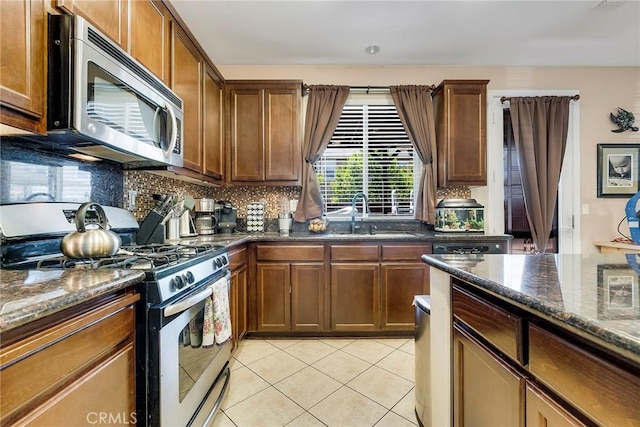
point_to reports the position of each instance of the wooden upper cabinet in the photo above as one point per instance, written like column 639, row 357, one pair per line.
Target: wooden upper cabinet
column 23, row 58
column 186, row 81
column 110, row 17
column 213, row 138
column 460, row 115
column 282, row 145
column 148, row 40
column 246, row 134
column 265, row 131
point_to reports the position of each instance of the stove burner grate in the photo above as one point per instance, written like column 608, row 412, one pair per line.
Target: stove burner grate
column 144, row 257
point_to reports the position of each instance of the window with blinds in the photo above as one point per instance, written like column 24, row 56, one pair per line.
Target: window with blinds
column 369, row 152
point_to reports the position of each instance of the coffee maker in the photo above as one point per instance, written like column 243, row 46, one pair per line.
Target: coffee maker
column 206, row 222
column 226, row 215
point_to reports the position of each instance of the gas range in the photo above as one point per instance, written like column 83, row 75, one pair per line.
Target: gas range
column 183, row 327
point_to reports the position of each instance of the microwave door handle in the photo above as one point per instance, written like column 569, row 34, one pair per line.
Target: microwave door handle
column 187, row 302
column 174, row 130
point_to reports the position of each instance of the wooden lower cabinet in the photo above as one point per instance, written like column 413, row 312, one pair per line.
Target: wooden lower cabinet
column 487, row 391
column 543, row 411
column 238, row 293
column 62, row 374
column 238, row 304
column 400, row 283
column 307, row 297
column 274, row 296
column 290, row 296
column 355, row 296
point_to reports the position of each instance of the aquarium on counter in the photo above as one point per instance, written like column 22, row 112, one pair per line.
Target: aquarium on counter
column 459, row 215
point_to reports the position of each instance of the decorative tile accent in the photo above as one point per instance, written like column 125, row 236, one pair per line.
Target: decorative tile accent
column 146, row 184
column 453, row 193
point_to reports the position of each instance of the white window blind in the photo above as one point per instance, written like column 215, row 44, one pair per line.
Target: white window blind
column 385, row 174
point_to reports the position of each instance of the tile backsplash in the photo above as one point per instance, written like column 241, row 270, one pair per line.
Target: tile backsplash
column 30, row 175
column 146, row 184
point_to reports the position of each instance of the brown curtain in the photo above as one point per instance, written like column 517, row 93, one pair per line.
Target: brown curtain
column 415, row 108
column 540, row 127
column 323, row 113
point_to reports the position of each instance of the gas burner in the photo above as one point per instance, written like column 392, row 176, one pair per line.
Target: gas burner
column 183, row 250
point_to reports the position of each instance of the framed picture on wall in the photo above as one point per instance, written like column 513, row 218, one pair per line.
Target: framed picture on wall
column 618, row 170
column 618, row 292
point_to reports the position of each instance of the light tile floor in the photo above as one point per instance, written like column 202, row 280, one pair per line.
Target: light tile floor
column 321, row 382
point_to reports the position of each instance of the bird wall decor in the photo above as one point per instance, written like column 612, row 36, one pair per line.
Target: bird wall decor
column 624, row 120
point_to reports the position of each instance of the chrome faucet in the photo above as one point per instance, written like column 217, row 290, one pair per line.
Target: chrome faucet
column 394, row 202
column 411, row 207
column 354, row 210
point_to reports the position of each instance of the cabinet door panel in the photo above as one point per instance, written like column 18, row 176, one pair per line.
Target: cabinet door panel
column 307, row 305
column 186, row 80
column 149, row 36
column 109, row 16
column 542, row 411
column 238, row 303
column 282, row 135
column 274, row 297
column 247, row 150
column 486, row 391
column 213, row 140
column 355, row 297
column 459, row 108
column 22, row 54
column 400, row 282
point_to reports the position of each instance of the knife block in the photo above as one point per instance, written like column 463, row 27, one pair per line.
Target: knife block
column 152, row 230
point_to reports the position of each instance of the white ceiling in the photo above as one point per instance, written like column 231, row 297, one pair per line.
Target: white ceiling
column 419, row 32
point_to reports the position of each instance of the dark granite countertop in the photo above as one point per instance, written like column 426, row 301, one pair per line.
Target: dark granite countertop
column 596, row 296
column 27, row 295
column 402, row 236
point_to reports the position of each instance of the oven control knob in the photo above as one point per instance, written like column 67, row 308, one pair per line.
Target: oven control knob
column 177, row 283
column 218, row 262
column 189, row 277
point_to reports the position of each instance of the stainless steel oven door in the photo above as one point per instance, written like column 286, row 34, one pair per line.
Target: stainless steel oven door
column 188, row 372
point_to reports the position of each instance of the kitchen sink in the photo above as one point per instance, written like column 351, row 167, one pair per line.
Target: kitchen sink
column 377, row 235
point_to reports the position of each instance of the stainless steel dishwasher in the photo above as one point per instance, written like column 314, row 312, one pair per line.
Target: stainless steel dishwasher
column 422, row 305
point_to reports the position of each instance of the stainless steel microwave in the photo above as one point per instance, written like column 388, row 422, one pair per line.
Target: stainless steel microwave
column 104, row 103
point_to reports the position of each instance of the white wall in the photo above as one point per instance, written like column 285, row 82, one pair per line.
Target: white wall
column 602, row 90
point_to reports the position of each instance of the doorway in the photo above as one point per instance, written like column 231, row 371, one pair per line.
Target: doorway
column 568, row 207
column 516, row 222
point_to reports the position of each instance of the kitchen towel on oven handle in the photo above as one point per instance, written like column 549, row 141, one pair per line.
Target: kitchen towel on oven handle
column 217, row 316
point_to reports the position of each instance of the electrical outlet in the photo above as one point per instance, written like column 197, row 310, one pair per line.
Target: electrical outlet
column 132, row 199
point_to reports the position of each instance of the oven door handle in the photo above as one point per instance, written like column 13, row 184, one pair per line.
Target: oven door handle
column 188, row 302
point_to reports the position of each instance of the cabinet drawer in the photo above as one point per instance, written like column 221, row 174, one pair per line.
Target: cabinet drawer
column 38, row 366
column 404, row 252
column 354, row 252
column 237, row 257
column 499, row 327
column 597, row 387
column 290, row 253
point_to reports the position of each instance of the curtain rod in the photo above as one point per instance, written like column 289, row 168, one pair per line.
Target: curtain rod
column 504, row 98
column 365, row 89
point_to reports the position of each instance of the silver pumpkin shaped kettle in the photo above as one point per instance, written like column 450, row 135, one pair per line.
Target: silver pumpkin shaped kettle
column 93, row 243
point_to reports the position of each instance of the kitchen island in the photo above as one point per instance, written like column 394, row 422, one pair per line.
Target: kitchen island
column 559, row 332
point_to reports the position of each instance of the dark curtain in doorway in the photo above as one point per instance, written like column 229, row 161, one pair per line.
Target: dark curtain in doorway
column 540, row 126
column 324, row 108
